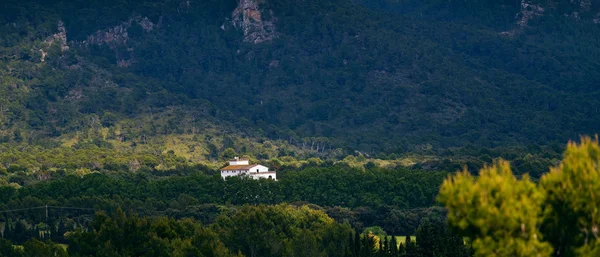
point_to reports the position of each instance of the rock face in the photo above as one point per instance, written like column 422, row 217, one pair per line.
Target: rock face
column 531, row 9
column 58, row 38
column 528, row 12
column 119, row 36
column 258, row 25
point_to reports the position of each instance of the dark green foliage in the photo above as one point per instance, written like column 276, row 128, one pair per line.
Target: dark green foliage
column 31, row 248
column 435, row 239
column 394, row 249
column 386, row 198
column 282, row 230
column 130, row 235
column 437, row 72
column 8, row 250
column 35, row 248
column 410, row 248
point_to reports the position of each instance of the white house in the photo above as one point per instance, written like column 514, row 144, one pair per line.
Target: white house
column 239, row 166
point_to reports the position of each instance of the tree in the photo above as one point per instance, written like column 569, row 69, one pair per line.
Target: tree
column 385, row 250
column 572, row 202
column 35, row 248
column 280, row 230
column 428, row 239
column 130, row 235
column 394, row 247
column 229, row 153
column 304, row 244
column 7, row 249
column 411, row 249
column 499, row 212
column 351, row 252
column 434, row 239
column 357, row 244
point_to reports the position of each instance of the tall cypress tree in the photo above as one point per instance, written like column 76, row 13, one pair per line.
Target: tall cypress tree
column 394, row 247
column 357, row 244
column 401, row 250
column 411, row 248
column 386, row 247
column 366, row 248
column 381, row 250
column 350, row 249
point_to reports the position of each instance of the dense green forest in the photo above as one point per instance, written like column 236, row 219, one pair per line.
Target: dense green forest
column 334, row 211
column 492, row 214
column 137, row 85
column 280, row 230
column 338, row 74
column 395, row 200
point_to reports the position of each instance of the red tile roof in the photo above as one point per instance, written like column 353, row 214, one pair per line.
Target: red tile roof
column 239, row 167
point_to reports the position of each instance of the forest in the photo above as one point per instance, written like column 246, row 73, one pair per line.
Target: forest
column 337, row 74
column 492, row 213
column 341, row 211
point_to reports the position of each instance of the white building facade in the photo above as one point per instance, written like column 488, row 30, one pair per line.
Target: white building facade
column 239, row 167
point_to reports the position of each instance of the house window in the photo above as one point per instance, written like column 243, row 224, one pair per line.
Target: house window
column 256, row 170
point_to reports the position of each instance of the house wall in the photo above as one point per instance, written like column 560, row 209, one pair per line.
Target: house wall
column 266, row 175
column 259, row 169
column 256, row 172
column 229, row 173
column 239, row 162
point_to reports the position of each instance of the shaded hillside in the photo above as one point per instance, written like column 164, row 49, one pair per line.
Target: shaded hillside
column 354, row 76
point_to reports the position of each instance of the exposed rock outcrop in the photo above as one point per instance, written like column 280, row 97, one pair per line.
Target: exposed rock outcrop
column 586, row 11
column 119, row 36
column 528, row 12
column 57, row 38
column 258, row 25
column 585, row 5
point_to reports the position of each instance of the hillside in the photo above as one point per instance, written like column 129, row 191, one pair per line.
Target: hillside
column 310, row 76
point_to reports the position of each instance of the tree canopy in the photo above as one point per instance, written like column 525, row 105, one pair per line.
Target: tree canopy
column 507, row 216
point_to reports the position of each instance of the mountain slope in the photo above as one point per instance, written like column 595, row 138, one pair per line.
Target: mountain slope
column 353, row 76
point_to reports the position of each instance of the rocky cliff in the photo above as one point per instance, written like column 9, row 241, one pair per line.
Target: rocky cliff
column 577, row 10
column 119, row 36
column 257, row 24
column 59, row 38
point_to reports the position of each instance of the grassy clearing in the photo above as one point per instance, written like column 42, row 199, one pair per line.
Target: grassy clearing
column 63, row 246
column 402, row 239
